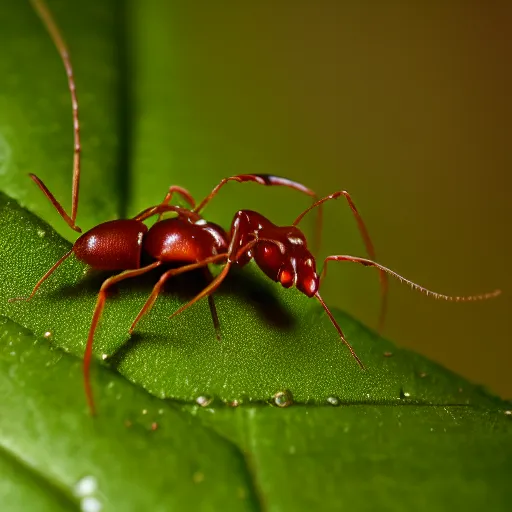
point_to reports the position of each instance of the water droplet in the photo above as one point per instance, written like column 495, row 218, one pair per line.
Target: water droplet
column 144, row 411
column 47, row 334
column 508, row 413
column 233, row 403
column 90, row 504
column 388, row 354
column 198, row 477
column 41, row 233
column 160, row 411
column 333, row 400
column 204, row 401
column 404, row 394
column 422, row 375
column 283, row 399
column 85, row 486
column 104, row 356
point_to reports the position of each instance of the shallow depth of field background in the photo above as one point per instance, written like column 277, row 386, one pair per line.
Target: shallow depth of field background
column 407, row 107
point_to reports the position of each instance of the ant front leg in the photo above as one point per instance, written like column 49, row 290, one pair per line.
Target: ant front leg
column 367, row 242
column 100, row 304
column 238, row 254
column 171, row 273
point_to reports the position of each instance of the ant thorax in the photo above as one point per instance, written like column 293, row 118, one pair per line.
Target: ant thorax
column 179, row 240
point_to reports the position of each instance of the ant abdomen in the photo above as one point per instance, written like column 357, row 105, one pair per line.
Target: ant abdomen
column 112, row 245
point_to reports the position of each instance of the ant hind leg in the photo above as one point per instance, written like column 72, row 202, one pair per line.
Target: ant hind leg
column 100, row 304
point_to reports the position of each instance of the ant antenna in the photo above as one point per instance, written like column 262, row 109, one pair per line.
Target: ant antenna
column 42, row 10
column 414, row 286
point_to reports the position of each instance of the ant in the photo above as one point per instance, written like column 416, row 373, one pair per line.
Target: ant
column 189, row 240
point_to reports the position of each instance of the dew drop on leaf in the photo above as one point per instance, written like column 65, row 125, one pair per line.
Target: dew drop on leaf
column 333, row 400
column 203, row 401
column 86, row 486
column 404, row 394
column 90, row 504
column 283, row 399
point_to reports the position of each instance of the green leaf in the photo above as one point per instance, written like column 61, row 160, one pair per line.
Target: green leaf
column 406, row 435
column 144, row 456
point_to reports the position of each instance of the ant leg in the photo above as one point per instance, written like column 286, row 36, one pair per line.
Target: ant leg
column 367, row 242
column 269, row 180
column 207, row 290
column 223, row 273
column 164, row 277
column 262, row 179
column 340, row 332
column 162, row 208
column 44, row 278
column 211, row 303
column 414, row 286
column 100, row 303
column 183, row 192
column 69, row 220
column 62, row 48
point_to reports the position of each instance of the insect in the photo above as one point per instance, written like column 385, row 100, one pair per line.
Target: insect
column 189, row 240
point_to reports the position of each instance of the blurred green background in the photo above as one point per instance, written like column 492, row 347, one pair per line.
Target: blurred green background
column 407, row 107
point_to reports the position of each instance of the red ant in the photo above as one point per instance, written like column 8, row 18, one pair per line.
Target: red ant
column 281, row 252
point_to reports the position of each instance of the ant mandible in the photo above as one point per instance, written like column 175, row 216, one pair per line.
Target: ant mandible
column 281, row 252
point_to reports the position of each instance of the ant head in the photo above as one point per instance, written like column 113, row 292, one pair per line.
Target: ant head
column 288, row 261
